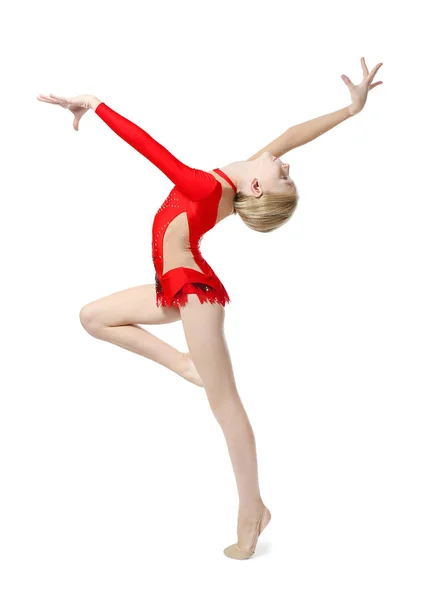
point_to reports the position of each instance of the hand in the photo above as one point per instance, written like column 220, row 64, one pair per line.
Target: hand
column 78, row 105
column 359, row 92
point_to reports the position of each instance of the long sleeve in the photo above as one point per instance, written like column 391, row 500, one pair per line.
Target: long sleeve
column 194, row 183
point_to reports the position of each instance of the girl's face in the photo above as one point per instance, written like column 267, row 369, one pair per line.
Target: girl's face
column 273, row 174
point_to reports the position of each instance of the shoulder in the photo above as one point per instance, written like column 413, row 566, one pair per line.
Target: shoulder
column 226, row 202
column 222, row 181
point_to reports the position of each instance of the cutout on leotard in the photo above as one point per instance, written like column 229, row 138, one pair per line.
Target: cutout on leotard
column 176, row 249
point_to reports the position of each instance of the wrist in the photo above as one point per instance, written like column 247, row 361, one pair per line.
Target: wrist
column 353, row 110
column 94, row 102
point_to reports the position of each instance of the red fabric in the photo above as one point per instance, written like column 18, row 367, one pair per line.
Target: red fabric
column 225, row 176
column 195, row 192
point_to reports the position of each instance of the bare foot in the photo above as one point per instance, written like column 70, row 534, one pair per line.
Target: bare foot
column 189, row 371
column 250, row 525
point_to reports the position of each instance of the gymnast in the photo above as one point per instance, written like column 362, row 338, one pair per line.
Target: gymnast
column 261, row 192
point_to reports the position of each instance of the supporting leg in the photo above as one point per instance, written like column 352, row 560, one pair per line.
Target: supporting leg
column 204, row 331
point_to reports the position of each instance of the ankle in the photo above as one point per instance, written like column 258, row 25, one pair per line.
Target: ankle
column 250, row 508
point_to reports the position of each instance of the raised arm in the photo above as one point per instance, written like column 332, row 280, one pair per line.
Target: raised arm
column 195, row 183
column 301, row 134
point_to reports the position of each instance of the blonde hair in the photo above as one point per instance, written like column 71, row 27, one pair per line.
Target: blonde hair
column 266, row 213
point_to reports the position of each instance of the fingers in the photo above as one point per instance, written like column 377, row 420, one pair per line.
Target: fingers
column 347, row 81
column 48, row 98
column 53, row 99
column 365, row 71
column 364, row 67
column 374, row 71
column 61, row 98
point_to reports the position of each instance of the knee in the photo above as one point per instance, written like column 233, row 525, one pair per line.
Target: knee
column 224, row 403
column 89, row 318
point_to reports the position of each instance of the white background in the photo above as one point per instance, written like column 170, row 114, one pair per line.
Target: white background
column 116, row 480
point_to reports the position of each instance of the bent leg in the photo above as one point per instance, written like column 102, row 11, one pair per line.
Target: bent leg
column 115, row 319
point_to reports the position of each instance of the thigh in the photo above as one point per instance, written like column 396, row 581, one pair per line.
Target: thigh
column 128, row 307
column 203, row 326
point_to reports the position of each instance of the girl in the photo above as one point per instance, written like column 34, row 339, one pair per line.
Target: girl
column 260, row 190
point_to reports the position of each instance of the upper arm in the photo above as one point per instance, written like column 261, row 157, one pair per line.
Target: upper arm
column 277, row 147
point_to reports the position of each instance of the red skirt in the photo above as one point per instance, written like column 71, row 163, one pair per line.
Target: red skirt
column 172, row 290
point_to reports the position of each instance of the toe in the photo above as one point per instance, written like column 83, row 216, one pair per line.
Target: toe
column 234, row 551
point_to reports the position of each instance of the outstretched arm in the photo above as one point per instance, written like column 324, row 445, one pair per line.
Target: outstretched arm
column 301, row 134
column 195, row 183
column 308, row 131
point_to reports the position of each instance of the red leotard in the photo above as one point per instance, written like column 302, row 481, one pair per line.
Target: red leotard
column 187, row 214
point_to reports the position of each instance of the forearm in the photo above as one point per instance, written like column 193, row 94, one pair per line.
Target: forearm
column 301, row 134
